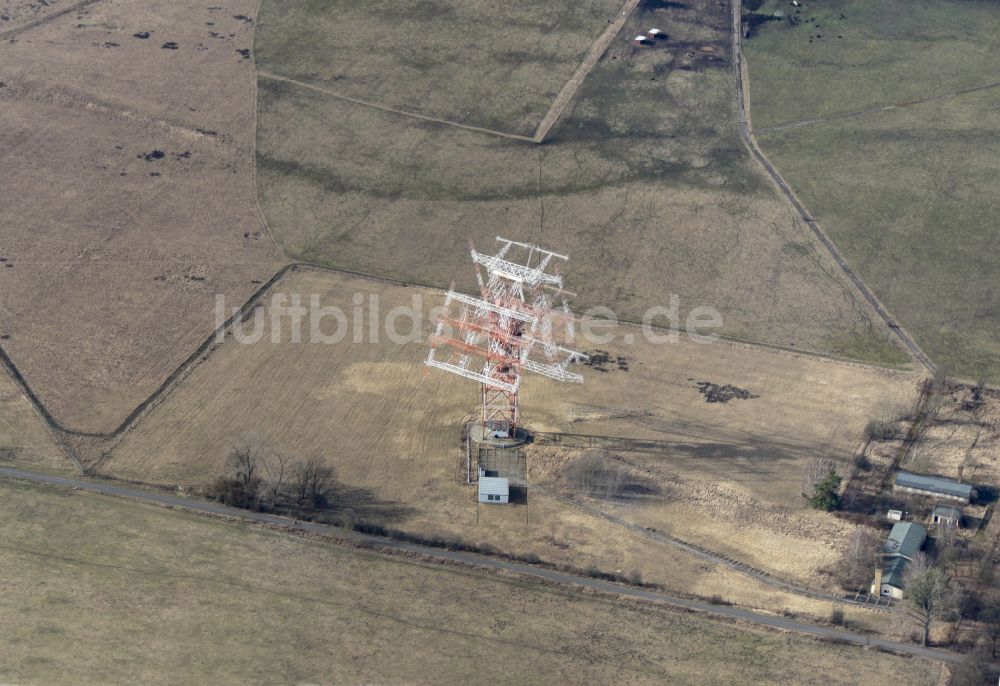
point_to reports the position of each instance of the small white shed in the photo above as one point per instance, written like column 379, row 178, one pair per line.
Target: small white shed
column 494, row 490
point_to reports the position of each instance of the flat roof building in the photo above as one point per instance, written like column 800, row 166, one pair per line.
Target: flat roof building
column 494, row 490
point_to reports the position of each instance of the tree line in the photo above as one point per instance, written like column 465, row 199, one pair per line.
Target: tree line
column 258, row 477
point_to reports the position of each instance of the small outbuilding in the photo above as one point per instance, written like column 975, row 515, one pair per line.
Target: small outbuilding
column 641, row 39
column 935, row 486
column 894, row 515
column 656, row 34
column 949, row 515
column 494, row 490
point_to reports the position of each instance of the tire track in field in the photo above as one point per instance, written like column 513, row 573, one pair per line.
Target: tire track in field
column 879, row 604
column 392, row 110
column 569, row 90
column 837, row 116
column 473, row 561
column 10, row 33
column 750, row 141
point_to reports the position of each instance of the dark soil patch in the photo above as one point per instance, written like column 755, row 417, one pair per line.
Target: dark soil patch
column 714, row 393
column 245, row 53
column 602, row 361
column 169, row 45
column 143, row 35
column 663, row 5
column 752, row 21
column 154, row 155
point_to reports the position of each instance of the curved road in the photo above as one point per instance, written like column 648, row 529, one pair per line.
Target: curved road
column 733, row 613
column 746, row 133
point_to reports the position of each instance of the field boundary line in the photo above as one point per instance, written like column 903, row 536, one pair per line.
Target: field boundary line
column 11, row 32
column 875, row 109
column 482, row 562
column 392, row 110
column 254, row 104
column 749, row 140
column 570, row 88
column 708, row 555
column 207, row 346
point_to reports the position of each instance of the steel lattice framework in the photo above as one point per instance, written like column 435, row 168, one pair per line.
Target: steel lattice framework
column 493, row 337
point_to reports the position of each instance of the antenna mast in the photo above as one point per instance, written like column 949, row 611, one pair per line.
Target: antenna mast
column 507, row 330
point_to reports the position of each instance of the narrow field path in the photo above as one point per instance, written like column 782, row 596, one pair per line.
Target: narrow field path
column 569, row 90
column 11, row 32
column 549, row 575
column 384, row 108
column 746, row 133
column 836, row 116
column 875, row 603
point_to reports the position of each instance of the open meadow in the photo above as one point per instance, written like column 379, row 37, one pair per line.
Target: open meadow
column 392, row 430
column 24, row 440
column 99, row 590
column 503, row 65
column 834, row 57
column 126, row 134
column 643, row 182
column 907, row 192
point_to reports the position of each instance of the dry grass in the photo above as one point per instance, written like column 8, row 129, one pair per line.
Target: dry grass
column 503, row 65
column 905, row 192
column 16, row 13
column 644, row 183
column 392, row 429
column 961, row 436
column 112, row 262
column 216, row 603
column 24, row 440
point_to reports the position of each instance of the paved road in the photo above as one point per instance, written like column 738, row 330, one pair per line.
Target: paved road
column 746, row 133
column 732, row 613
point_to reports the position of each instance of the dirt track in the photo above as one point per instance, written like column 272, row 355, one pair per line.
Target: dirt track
column 747, row 135
column 726, row 612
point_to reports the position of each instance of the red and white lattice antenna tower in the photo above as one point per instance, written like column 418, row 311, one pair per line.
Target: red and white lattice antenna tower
column 506, row 331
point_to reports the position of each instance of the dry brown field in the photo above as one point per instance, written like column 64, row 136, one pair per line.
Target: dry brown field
column 644, row 182
column 727, row 474
column 962, row 439
column 15, row 14
column 24, row 440
column 129, row 203
column 186, row 599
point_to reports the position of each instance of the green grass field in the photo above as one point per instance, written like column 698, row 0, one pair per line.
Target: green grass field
column 478, row 63
column 909, row 195
column 644, row 183
column 867, row 54
column 104, row 591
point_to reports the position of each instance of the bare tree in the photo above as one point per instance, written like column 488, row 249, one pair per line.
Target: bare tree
column 991, row 623
column 860, row 558
column 928, row 596
column 246, row 453
column 597, row 474
column 816, row 470
column 278, row 470
column 947, row 533
column 312, row 482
